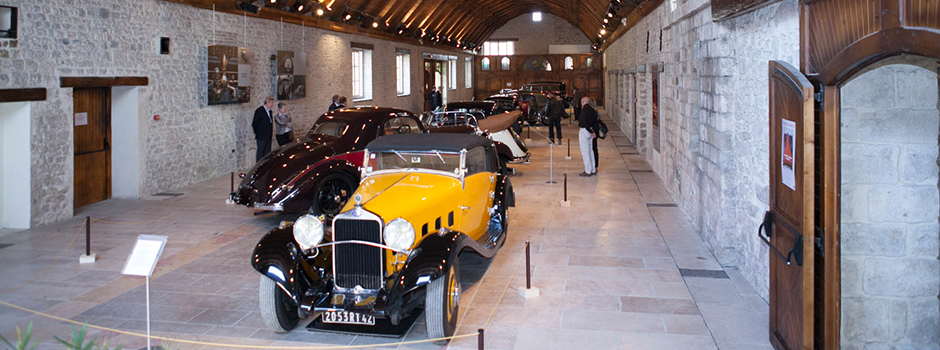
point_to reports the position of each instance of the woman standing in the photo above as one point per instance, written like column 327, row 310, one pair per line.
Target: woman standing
column 283, row 128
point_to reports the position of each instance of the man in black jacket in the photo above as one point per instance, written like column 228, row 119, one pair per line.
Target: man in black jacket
column 554, row 110
column 587, row 124
column 262, row 124
column 334, row 104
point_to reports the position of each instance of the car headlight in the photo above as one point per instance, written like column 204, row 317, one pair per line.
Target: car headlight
column 308, row 231
column 399, row 234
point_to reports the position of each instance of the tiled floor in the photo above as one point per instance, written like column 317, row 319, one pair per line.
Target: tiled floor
column 608, row 268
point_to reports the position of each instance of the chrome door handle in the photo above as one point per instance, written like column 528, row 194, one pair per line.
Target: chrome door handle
column 464, row 207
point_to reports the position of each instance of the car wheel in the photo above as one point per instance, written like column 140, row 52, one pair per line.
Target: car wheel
column 277, row 309
column 333, row 193
column 442, row 302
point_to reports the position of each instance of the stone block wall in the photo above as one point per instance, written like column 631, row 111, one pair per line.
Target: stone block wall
column 535, row 37
column 192, row 141
column 713, row 158
column 890, row 207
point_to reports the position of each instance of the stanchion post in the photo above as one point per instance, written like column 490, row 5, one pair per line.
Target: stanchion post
column 568, row 157
column 551, row 164
column 566, row 203
column 232, row 185
column 88, row 235
column 528, row 270
column 480, row 339
column 88, row 257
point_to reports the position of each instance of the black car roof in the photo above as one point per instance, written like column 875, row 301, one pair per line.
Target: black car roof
column 428, row 142
column 363, row 114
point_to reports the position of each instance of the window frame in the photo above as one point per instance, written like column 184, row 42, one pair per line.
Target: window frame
column 499, row 48
column 452, row 74
column 485, row 63
column 505, row 63
column 403, row 73
column 468, row 72
column 362, row 75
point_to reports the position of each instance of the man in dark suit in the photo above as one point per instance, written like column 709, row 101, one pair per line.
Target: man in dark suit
column 436, row 98
column 335, row 103
column 262, row 124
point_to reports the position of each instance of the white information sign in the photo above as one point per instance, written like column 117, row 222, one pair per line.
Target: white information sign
column 144, row 256
column 787, row 153
column 81, row 118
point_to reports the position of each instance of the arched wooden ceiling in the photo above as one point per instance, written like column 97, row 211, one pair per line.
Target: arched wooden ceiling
column 469, row 21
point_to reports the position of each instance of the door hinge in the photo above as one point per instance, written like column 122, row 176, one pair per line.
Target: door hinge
column 818, row 97
column 820, row 243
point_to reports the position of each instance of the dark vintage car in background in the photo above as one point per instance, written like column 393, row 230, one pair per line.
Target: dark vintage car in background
column 393, row 251
column 557, row 87
column 319, row 172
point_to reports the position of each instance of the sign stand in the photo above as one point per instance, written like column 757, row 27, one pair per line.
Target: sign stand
column 141, row 262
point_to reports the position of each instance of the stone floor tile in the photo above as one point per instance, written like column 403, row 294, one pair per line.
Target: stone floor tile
column 595, row 287
column 219, row 317
column 685, row 324
column 587, row 260
column 714, row 290
column 735, row 324
column 541, row 339
column 638, row 341
column 658, row 306
column 670, row 290
column 731, row 346
column 612, row 321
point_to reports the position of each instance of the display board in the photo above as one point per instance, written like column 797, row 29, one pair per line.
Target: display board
column 229, row 74
column 291, row 75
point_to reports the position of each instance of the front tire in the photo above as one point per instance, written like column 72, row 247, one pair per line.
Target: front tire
column 277, row 309
column 332, row 194
column 442, row 303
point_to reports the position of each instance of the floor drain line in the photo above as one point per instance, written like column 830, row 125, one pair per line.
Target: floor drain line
column 167, row 194
column 704, row 273
column 661, row 205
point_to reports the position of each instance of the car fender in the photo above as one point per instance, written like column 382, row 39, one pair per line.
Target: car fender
column 303, row 189
column 430, row 259
column 504, row 193
column 503, row 150
column 278, row 257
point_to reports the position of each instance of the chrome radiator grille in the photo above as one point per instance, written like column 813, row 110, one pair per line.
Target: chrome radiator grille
column 357, row 264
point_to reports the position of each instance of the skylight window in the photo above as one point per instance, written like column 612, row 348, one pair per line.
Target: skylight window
column 536, row 16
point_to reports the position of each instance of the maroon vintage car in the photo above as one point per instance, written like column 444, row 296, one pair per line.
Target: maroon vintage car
column 320, row 170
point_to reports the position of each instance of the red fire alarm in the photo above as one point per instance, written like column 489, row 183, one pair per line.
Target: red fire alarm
column 156, row 117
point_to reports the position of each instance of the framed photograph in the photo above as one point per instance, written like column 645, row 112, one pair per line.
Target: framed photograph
column 291, row 75
column 229, row 74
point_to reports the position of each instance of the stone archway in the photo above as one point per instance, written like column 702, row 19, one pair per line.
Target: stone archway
column 890, row 204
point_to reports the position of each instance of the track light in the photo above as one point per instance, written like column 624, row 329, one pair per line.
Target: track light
column 273, row 1
column 347, row 16
column 375, row 24
column 248, row 7
column 319, row 12
column 605, row 20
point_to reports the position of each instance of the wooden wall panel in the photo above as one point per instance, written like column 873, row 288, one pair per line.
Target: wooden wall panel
column 588, row 79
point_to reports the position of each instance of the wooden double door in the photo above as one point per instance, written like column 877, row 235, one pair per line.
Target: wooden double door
column 92, row 145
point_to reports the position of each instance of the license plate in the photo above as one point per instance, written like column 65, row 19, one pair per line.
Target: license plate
column 347, row 317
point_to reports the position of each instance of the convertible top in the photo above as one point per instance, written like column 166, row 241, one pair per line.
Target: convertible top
column 487, row 106
column 428, row 142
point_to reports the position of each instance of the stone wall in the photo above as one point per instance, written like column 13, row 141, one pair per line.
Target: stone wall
column 890, row 207
column 535, row 37
column 192, row 141
column 713, row 111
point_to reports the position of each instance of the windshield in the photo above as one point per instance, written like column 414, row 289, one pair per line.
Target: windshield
column 393, row 160
column 330, row 128
column 457, row 118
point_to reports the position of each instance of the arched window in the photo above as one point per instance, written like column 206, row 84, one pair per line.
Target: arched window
column 504, row 63
column 485, row 63
column 589, row 63
column 569, row 63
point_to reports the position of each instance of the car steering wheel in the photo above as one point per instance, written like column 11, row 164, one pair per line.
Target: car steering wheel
column 404, row 129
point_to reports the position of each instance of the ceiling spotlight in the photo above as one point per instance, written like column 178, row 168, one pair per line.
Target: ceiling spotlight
column 375, row 24
column 610, row 14
column 605, row 20
column 319, row 12
column 347, row 16
column 300, row 8
column 248, row 7
column 387, row 24
column 273, row 1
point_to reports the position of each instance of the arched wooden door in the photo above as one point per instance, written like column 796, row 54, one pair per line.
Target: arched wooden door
column 831, row 52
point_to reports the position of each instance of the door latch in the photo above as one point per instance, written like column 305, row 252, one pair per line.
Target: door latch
column 766, row 228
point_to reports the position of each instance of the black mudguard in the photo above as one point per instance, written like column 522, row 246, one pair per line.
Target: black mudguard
column 303, row 192
column 505, row 197
column 278, row 257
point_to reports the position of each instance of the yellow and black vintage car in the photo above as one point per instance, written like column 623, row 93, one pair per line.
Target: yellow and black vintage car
column 393, row 251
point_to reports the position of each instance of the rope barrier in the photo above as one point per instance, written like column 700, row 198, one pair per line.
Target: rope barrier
column 225, row 345
column 133, row 222
column 54, row 262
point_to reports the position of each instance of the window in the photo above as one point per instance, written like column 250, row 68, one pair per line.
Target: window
column 468, row 73
column 569, row 63
column 8, row 19
column 401, row 125
column 362, row 74
column 403, row 72
column 485, row 63
column 589, row 63
column 452, row 74
column 504, row 63
column 499, row 48
column 537, row 16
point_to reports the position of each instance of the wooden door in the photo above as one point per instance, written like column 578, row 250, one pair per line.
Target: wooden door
column 92, row 134
column 789, row 223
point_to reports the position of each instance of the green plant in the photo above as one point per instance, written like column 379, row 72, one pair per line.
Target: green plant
column 78, row 341
column 22, row 339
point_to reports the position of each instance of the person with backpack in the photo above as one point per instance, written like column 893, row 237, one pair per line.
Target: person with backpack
column 587, row 132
